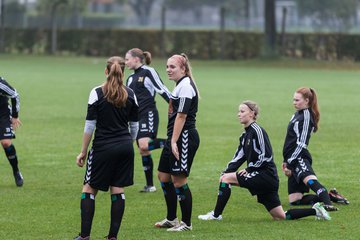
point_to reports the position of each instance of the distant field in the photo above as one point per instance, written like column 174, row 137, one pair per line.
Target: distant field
column 54, row 93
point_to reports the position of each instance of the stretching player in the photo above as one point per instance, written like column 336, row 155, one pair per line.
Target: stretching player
column 297, row 163
column 260, row 176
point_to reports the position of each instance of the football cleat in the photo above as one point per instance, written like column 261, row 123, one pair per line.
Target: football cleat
column 321, row 213
column 82, row 238
column 19, row 180
column 181, row 227
column 167, row 223
column 330, row 208
column 209, row 216
column 336, row 197
column 148, row 189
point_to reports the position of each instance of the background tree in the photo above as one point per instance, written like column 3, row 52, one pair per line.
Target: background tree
column 194, row 6
column 331, row 14
column 237, row 10
column 142, row 9
column 270, row 49
column 2, row 25
column 53, row 9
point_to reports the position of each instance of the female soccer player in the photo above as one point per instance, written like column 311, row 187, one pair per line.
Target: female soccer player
column 9, row 121
column 297, row 163
column 260, row 176
column 111, row 159
column 145, row 82
column 180, row 147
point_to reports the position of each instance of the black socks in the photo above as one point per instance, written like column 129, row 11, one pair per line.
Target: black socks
column 87, row 207
column 11, row 156
column 299, row 213
column 117, row 212
column 170, row 199
column 184, row 196
column 223, row 197
column 148, row 169
column 308, row 199
column 320, row 190
column 156, row 143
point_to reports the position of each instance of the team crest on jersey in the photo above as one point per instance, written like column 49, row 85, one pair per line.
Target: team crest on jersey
column 140, row 79
column 248, row 142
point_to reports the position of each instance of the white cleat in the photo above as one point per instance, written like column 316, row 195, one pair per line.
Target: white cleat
column 181, row 227
column 167, row 223
column 209, row 216
column 321, row 213
column 148, row 189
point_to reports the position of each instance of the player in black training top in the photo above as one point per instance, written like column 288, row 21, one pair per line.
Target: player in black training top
column 297, row 158
column 145, row 82
column 260, row 175
column 181, row 146
column 9, row 121
column 110, row 163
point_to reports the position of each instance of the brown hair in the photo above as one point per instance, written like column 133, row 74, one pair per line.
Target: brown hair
column 145, row 57
column 113, row 88
column 183, row 61
column 253, row 106
column 309, row 93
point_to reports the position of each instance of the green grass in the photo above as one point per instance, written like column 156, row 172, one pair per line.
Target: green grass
column 54, row 92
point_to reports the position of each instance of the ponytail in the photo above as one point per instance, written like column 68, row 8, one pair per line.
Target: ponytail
column 314, row 108
column 147, row 57
column 114, row 89
column 144, row 56
column 309, row 93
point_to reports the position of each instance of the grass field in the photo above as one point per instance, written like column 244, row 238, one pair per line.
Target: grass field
column 54, row 93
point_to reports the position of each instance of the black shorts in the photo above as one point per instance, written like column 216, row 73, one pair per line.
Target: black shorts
column 6, row 130
column 188, row 144
column 112, row 167
column 300, row 168
column 264, row 184
column 148, row 124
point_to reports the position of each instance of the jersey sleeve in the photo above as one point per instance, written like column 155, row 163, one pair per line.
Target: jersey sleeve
column 186, row 95
column 9, row 91
column 303, row 131
column 237, row 160
column 261, row 149
column 91, row 110
column 158, row 85
column 134, row 111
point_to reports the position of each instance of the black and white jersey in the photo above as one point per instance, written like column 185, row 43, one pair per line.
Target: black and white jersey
column 298, row 135
column 111, row 121
column 145, row 81
column 255, row 148
column 6, row 92
column 184, row 99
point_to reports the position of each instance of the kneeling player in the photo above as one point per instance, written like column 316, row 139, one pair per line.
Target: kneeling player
column 260, row 176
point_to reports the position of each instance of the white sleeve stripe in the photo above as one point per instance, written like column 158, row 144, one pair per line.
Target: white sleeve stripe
column 181, row 105
column 301, row 143
column 12, row 92
column 262, row 157
column 17, row 102
column 156, row 77
column 237, row 156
